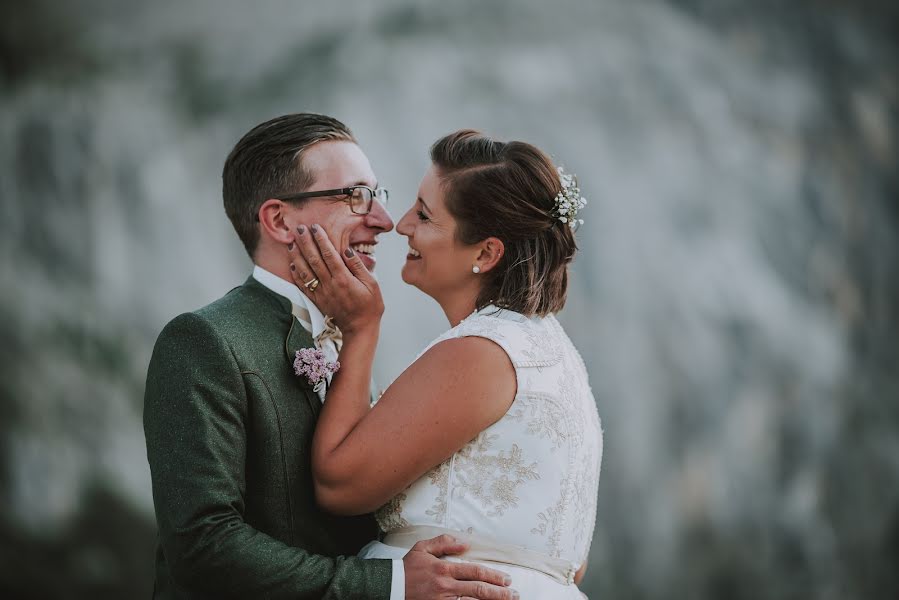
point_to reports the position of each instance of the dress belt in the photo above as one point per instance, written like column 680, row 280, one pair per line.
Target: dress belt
column 485, row 549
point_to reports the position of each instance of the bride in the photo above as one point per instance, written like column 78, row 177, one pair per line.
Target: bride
column 491, row 435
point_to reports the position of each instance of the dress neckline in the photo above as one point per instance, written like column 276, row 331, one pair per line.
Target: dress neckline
column 491, row 310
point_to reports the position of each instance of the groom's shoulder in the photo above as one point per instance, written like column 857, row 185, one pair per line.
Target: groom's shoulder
column 234, row 303
column 205, row 338
column 227, row 317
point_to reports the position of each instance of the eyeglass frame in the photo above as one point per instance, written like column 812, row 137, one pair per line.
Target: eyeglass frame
column 347, row 191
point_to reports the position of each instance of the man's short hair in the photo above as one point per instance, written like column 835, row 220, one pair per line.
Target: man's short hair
column 268, row 162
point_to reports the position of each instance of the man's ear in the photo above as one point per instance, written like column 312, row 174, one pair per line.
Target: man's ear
column 492, row 250
column 272, row 215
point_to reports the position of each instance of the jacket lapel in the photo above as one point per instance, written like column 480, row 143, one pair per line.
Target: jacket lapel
column 295, row 339
column 298, row 338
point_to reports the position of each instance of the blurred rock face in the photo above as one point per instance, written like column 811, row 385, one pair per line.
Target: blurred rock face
column 734, row 299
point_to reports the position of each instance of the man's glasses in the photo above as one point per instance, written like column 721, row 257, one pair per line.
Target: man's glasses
column 359, row 197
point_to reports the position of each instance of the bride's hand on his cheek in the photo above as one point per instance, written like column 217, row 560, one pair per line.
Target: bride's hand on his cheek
column 338, row 283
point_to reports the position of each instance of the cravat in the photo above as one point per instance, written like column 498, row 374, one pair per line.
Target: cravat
column 331, row 332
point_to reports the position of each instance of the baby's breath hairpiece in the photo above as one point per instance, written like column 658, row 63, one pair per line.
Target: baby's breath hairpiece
column 569, row 201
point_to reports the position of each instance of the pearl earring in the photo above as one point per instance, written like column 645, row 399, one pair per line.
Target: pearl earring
column 476, row 269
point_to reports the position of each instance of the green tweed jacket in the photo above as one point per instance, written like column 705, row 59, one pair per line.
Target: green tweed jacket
column 229, row 431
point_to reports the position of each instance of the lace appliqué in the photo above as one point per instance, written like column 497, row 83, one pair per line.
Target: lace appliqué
column 439, row 477
column 538, row 348
column 584, row 500
column 544, row 416
column 480, row 326
column 390, row 516
column 550, row 522
column 492, row 478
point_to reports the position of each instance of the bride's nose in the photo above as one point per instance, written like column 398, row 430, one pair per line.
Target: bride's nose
column 405, row 227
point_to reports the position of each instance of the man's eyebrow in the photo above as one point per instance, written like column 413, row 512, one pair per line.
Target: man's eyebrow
column 366, row 184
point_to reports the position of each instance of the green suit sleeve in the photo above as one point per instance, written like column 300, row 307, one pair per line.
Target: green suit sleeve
column 195, row 410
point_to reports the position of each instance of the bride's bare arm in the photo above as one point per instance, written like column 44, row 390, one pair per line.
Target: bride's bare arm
column 361, row 456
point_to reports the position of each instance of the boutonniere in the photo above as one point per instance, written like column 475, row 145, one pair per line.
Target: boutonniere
column 311, row 364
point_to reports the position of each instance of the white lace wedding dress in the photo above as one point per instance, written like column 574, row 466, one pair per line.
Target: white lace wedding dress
column 523, row 493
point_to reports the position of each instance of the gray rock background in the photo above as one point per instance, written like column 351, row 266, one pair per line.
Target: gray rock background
column 736, row 297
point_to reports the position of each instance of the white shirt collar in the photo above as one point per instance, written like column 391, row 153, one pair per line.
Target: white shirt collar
column 285, row 288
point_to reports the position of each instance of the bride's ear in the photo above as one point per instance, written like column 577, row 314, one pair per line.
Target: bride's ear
column 492, row 250
column 272, row 215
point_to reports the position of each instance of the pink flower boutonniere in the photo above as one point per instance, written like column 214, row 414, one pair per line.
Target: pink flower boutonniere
column 311, row 363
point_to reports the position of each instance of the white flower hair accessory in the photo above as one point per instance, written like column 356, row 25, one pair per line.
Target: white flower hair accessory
column 569, row 201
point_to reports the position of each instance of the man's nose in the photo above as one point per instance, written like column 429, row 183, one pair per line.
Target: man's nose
column 378, row 218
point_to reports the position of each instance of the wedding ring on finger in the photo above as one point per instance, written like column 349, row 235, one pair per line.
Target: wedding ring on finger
column 312, row 284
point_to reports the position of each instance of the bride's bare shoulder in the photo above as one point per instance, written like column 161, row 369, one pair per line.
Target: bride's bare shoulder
column 473, row 369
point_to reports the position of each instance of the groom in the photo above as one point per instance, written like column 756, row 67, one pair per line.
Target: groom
column 229, row 424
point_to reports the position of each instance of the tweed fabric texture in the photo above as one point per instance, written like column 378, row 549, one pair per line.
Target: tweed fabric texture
column 229, row 430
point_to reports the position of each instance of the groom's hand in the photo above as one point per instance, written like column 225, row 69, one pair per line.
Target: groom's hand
column 428, row 577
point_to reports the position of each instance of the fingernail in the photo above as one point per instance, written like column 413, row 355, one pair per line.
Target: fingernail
column 290, row 247
column 508, row 581
column 349, row 253
column 314, row 228
column 293, row 267
column 515, row 595
column 301, row 229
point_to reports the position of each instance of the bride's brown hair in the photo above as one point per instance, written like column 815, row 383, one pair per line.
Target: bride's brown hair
column 507, row 190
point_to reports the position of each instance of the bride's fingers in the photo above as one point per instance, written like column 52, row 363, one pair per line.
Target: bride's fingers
column 309, row 250
column 300, row 271
column 358, row 268
column 326, row 249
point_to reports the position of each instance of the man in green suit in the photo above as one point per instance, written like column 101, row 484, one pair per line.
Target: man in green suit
column 229, row 424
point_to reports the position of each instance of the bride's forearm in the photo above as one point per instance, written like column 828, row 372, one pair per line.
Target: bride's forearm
column 346, row 404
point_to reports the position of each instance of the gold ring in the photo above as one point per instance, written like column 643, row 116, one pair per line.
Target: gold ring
column 311, row 285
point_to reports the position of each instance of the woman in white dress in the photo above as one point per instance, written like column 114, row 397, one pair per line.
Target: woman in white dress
column 491, row 434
